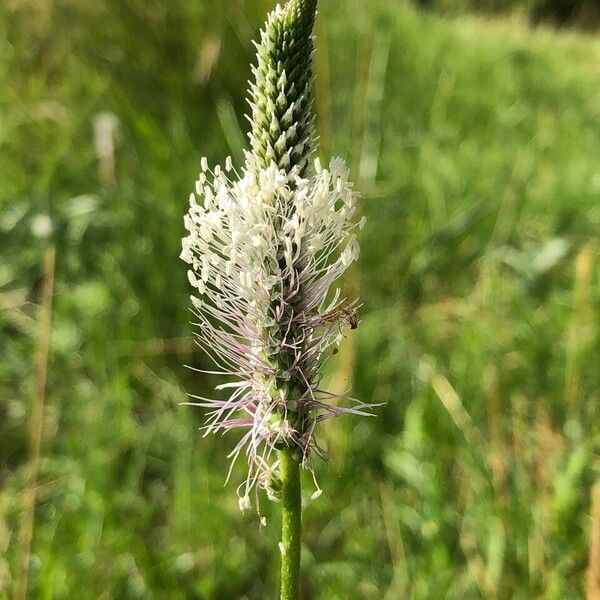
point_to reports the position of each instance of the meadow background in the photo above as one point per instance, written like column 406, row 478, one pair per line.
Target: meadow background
column 475, row 138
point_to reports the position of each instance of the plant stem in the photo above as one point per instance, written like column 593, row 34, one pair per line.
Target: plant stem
column 36, row 427
column 291, row 525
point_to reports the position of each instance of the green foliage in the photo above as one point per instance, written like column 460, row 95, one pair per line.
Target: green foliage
column 576, row 13
column 476, row 144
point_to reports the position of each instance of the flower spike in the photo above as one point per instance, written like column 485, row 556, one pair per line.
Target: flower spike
column 265, row 247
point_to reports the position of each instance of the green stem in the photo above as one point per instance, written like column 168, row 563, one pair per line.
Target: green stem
column 291, row 525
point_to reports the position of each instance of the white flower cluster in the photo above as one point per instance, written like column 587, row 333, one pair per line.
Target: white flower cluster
column 265, row 248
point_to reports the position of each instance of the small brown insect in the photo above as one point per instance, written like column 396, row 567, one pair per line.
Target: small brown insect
column 341, row 313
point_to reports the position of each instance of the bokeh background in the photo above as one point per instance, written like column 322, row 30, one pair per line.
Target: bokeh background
column 473, row 129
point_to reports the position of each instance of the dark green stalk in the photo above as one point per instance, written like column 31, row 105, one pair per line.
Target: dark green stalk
column 291, row 525
column 283, row 134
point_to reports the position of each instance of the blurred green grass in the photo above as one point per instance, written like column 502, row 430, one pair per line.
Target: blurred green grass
column 476, row 143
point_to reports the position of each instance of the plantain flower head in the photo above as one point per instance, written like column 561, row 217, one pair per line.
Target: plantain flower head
column 265, row 246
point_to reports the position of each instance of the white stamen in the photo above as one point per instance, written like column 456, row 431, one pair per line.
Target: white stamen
column 264, row 251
